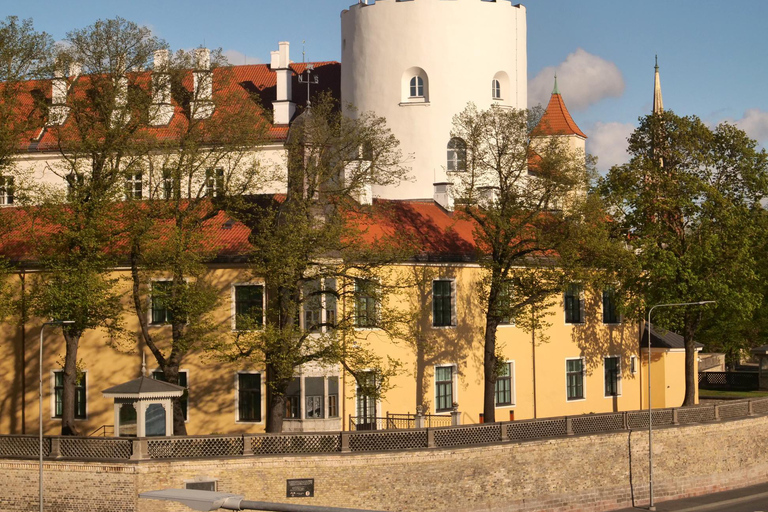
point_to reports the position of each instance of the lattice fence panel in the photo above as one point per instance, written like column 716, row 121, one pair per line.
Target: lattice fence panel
column 760, row 406
column 78, row 448
column 536, row 429
column 314, row 443
column 639, row 419
column 191, row 447
column 16, row 446
column 597, row 423
column 467, row 435
column 735, row 410
column 381, row 441
column 695, row 414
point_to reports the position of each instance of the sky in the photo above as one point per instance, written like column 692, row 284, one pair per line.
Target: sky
column 711, row 54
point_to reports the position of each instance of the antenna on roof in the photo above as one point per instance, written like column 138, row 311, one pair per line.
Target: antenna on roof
column 303, row 52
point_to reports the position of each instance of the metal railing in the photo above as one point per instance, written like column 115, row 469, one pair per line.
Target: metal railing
column 394, row 421
column 220, row 446
column 104, row 431
column 737, row 381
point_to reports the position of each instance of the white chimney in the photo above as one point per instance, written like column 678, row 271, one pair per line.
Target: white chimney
column 444, row 195
column 202, row 106
column 284, row 107
column 161, row 111
column 274, row 61
column 59, row 111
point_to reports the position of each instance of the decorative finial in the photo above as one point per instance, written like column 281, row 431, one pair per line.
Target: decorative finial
column 657, row 63
column 143, row 364
column 555, row 90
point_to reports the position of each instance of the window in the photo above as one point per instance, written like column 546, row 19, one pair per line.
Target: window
column 633, row 364
column 184, row 400
column 249, row 397
column 168, row 184
column 609, row 307
column 249, row 307
column 314, row 390
column 574, row 304
column 443, row 388
column 6, row 190
column 504, row 383
column 58, row 391
column 505, row 304
column 417, row 87
column 333, row 397
column 133, row 186
column 456, row 155
column 366, row 304
column 293, row 399
column 366, row 401
column 575, row 378
column 202, row 485
column 319, row 304
column 495, row 89
column 161, row 298
column 612, row 376
column 442, row 303
column 214, row 182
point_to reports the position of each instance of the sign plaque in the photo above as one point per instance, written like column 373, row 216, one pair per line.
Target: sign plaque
column 300, row 488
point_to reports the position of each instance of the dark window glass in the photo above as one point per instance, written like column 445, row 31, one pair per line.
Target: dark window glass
column 441, row 303
column 574, row 304
column 366, row 402
column 58, row 389
column 249, row 307
column 214, row 182
column 184, row 400
column 366, row 305
column 611, row 376
column 505, row 303
column 504, row 385
column 496, row 89
column 444, row 388
column 7, row 190
column 609, row 307
column 417, row 87
column 313, row 396
column 293, row 399
column 333, row 397
column 456, row 155
column 249, row 396
column 161, row 297
column 575, row 378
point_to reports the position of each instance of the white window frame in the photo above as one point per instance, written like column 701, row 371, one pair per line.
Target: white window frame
column 233, row 302
column 454, row 385
column 618, row 377
column 496, row 89
column 415, row 83
column 53, row 395
column 512, row 387
column 633, row 365
column 454, row 320
column 7, row 182
column 453, row 162
column 237, row 398
column 583, row 379
column 189, row 385
column 131, row 182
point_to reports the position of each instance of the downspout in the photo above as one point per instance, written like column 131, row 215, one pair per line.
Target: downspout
column 23, row 325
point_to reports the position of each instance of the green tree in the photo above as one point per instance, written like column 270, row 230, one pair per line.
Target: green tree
column 97, row 120
column 688, row 205
column 310, row 256
column 527, row 197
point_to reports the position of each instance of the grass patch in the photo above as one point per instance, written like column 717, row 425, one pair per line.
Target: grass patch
column 716, row 393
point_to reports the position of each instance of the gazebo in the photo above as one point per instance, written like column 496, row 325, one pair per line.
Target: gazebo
column 143, row 407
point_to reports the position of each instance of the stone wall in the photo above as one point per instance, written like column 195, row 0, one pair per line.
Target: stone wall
column 590, row 473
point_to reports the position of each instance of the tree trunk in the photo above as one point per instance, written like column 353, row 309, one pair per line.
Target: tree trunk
column 489, row 370
column 691, row 379
column 420, row 367
column 68, row 427
column 275, row 403
column 171, row 375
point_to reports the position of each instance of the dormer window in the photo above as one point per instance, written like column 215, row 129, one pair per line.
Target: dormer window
column 417, row 87
column 495, row 89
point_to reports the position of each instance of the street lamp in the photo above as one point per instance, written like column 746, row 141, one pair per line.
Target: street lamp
column 40, row 403
column 209, row 500
column 651, row 505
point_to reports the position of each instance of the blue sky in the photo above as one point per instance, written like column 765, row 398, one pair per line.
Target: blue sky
column 712, row 54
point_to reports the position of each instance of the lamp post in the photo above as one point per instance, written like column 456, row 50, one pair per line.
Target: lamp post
column 211, row 500
column 651, row 505
column 40, row 403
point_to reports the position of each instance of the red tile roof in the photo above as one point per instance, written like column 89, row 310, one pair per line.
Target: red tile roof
column 557, row 120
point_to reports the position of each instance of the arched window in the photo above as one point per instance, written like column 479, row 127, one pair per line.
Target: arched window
column 457, row 155
column 495, row 89
column 417, row 87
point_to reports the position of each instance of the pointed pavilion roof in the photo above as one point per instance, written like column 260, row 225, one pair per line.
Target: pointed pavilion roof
column 658, row 104
column 144, row 387
column 556, row 119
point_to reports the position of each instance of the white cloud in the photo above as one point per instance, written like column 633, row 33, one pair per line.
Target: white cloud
column 237, row 58
column 583, row 79
column 755, row 123
column 608, row 142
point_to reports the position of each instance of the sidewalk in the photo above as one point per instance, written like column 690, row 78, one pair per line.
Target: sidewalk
column 717, row 501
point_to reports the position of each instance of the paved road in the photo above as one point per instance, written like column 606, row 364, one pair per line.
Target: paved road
column 749, row 499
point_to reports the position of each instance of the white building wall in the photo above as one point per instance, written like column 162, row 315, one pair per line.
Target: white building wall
column 459, row 45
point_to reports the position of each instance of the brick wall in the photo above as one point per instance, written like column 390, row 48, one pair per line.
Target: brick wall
column 595, row 472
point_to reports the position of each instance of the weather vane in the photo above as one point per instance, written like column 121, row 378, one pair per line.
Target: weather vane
column 309, row 80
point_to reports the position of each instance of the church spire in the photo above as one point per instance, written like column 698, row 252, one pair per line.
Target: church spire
column 658, row 104
column 555, row 90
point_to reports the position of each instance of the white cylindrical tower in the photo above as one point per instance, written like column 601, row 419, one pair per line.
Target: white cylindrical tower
column 419, row 62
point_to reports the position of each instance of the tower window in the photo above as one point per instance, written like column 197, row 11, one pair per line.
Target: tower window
column 496, row 89
column 456, row 155
column 417, row 87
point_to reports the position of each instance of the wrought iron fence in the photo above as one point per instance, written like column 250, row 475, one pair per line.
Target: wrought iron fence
column 393, row 421
column 397, row 436
column 737, row 381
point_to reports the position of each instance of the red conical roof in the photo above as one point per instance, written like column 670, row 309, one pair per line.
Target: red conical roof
column 556, row 120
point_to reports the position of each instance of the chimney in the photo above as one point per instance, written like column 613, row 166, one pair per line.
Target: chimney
column 59, row 111
column 486, row 196
column 283, row 106
column 444, row 195
column 202, row 107
column 161, row 111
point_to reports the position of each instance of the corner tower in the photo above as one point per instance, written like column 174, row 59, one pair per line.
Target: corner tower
column 419, row 62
